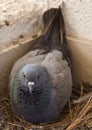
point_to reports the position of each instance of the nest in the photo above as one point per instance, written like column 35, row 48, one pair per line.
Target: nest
column 75, row 116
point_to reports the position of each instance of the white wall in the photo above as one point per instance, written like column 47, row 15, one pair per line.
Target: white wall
column 78, row 21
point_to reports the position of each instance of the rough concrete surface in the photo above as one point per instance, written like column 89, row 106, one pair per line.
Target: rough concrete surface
column 21, row 17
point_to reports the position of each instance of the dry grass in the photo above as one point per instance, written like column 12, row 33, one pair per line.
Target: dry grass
column 74, row 117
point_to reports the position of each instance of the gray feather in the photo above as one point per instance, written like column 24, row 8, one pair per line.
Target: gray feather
column 41, row 81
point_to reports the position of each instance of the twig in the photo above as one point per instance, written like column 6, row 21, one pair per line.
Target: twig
column 16, row 125
column 81, row 115
column 83, row 98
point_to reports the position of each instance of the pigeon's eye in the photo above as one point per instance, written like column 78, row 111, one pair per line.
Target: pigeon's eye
column 24, row 75
column 38, row 76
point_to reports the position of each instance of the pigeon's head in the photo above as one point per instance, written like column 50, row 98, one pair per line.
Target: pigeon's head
column 32, row 91
column 35, row 77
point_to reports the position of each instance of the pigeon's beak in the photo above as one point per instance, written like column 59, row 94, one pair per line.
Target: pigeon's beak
column 30, row 86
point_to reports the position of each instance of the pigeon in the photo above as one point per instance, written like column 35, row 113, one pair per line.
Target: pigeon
column 40, row 82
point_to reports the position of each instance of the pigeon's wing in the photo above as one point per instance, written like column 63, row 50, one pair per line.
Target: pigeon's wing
column 34, row 56
column 61, row 77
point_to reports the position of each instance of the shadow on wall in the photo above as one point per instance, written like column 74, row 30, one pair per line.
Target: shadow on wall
column 7, row 59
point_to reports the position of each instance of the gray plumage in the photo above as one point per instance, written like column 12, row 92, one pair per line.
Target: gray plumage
column 40, row 81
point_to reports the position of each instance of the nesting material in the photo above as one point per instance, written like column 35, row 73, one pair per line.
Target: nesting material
column 75, row 116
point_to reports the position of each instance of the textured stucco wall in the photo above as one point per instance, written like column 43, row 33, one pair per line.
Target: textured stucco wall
column 24, row 17
column 78, row 21
column 78, row 18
